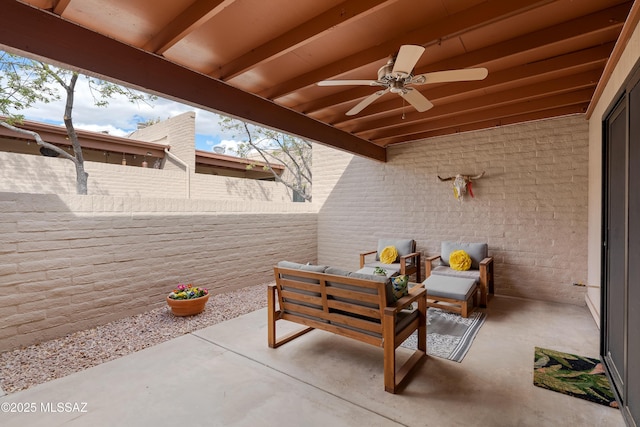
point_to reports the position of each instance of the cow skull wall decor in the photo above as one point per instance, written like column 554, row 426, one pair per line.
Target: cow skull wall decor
column 462, row 184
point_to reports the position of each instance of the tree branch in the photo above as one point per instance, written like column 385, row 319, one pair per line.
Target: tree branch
column 39, row 141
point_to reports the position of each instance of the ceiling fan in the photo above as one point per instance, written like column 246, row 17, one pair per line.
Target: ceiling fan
column 395, row 77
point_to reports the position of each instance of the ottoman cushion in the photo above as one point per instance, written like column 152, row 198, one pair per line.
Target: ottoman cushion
column 457, row 288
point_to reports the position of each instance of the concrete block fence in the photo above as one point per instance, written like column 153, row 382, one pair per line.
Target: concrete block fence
column 22, row 173
column 73, row 262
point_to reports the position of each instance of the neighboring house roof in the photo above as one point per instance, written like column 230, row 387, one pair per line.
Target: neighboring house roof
column 57, row 135
column 118, row 147
column 206, row 158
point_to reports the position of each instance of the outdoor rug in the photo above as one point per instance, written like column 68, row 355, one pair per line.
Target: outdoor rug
column 576, row 376
column 449, row 335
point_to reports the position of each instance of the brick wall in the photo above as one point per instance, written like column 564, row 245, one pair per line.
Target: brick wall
column 531, row 206
column 72, row 262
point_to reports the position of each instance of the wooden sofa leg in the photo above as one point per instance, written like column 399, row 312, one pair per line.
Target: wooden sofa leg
column 464, row 309
column 271, row 321
column 483, row 296
column 389, row 354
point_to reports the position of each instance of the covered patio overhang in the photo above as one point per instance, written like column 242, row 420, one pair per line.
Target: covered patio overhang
column 544, row 58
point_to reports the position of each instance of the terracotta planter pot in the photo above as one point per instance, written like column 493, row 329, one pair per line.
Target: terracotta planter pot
column 187, row 307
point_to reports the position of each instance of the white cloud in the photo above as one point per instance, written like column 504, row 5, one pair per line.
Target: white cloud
column 120, row 116
column 231, row 146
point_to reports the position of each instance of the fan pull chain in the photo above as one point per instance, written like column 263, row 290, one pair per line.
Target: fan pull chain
column 403, row 105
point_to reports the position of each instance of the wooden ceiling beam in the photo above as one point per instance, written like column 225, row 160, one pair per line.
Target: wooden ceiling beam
column 470, row 19
column 188, row 21
column 580, row 97
column 595, row 55
column 395, row 124
column 578, row 28
column 60, row 6
column 492, row 123
column 28, row 29
column 592, row 58
column 602, row 22
column 302, row 34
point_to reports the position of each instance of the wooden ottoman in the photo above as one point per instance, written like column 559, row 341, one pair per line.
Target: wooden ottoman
column 455, row 294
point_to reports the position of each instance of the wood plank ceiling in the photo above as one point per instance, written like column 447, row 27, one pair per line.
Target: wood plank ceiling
column 261, row 60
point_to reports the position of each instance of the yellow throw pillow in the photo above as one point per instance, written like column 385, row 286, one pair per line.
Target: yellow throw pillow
column 460, row 260
column 389, row 255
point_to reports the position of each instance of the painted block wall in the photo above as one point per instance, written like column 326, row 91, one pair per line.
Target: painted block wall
column 531, row 206
column 22, row 173
column 178, row 133
column 71, row 262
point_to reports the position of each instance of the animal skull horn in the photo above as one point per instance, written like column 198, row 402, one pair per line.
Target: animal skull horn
column 462, row 184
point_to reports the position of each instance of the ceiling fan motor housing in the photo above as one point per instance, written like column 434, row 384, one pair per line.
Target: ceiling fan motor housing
column 384, row 73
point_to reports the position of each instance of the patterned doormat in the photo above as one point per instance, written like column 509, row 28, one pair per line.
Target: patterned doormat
column 449, row 335
column 577, row 376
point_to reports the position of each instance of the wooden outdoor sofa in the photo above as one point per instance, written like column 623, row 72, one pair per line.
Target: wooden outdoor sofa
column 352, row 305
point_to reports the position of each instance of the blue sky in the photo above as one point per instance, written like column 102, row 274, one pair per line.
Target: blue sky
column 121, row 117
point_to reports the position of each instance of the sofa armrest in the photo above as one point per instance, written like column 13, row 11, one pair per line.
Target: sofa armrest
column 427, row 264
column 363, row 255
column 485, row 268
column 411, row 255
column 487, row 261
column 414, row 295
column 404, row 258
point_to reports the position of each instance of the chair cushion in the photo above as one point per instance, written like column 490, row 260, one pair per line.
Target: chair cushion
column 390, row 272
column 403, row 246
column 441, row 270
column 303, row 267
column 449, row 287
column 389, row 267
column 372, row 277
column 477, row 252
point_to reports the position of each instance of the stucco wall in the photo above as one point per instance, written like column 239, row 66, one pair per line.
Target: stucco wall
column 531, row 207
column 72, row 262
column 623, row 69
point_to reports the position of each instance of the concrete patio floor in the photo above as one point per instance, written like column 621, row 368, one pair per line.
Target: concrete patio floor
column 225, row 375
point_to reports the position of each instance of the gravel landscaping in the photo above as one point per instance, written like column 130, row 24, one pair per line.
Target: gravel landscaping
column 39, row 363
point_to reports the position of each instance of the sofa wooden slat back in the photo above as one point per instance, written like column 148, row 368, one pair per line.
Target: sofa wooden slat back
column 359, row 307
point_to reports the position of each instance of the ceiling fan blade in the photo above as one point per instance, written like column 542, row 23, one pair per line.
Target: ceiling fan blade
column 416, row 99
column 366, row 102
column 466, row 74
column 408, row 56
column 348, row 83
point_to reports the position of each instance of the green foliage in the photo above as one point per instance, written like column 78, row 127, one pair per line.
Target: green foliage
column 275, row 147
column 25, row 82
column 22, row 84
